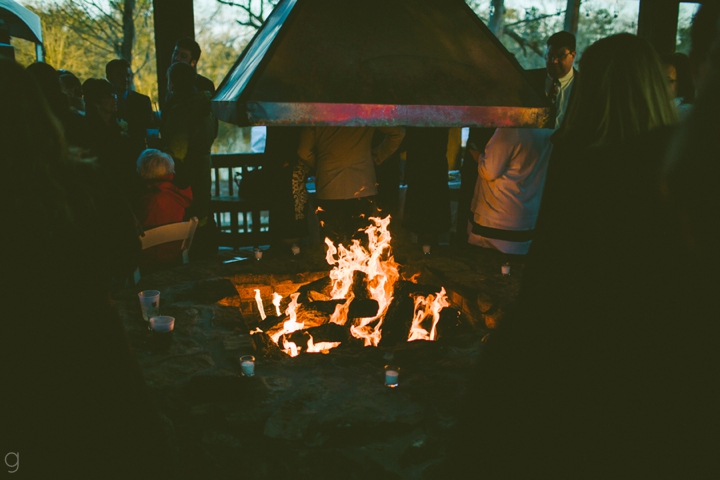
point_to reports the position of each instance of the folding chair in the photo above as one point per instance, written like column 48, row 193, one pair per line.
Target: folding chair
column 169, row 233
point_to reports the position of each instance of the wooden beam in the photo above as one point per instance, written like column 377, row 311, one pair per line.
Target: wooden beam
column 572, row 14
column 174, row 19
column 657, row 23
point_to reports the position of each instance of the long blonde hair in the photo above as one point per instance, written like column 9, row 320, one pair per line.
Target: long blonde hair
column 621, row 92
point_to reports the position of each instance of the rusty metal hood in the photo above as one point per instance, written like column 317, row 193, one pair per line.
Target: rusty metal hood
column 377, row 62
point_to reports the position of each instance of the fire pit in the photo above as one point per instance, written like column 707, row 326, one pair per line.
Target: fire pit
column 311, row 413
column 362, row 296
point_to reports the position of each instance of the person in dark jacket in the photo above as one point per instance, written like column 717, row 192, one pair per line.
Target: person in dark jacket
column 133, row 107
column 107, row 138
column 188, row 51
column 593, row 374
column 188, row 132
column 71, row 386
column 427, row 202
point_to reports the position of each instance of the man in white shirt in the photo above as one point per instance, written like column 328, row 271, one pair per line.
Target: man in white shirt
column 512, row 170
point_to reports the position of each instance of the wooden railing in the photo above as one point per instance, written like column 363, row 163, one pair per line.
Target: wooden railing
column 241, row 222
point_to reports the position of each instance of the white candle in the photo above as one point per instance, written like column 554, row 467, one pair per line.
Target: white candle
column 391, row 378
column 248, row 368
column 506, row 269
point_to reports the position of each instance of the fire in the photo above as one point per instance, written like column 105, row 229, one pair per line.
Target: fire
column 261, row 307
column 378, row 264
column 277, row 298
column 290, row 325
column 321, row 347
column 340, row 314
column 425, row 307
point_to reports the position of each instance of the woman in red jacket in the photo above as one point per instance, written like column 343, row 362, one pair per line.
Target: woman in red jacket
column 161, row 203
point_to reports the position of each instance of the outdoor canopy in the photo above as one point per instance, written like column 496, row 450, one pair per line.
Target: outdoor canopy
column 429, row 63
column 21, row 22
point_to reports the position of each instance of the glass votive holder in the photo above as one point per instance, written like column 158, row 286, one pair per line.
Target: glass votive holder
column 392, row 375
column 247, row 365
column 295, row 249
column 162, row 324
column 149, row 303
column 257, row 253
column 426, row 249
column 505, row 269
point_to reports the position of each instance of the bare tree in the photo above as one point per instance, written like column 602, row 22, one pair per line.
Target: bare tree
column 254, row 11
column 108, row 26
column 497, row 17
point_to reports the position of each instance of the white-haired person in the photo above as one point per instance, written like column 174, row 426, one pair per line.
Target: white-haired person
column 161, row 203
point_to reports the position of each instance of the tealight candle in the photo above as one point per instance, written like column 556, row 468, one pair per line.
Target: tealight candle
column 505, row 269
column 247, row 365
column 392, row 373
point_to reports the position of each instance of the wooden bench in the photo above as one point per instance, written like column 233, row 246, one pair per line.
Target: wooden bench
column 241, row 222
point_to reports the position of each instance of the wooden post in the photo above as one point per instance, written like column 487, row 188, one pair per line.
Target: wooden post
column 174, row 19
column 657, row 23
column 572, row 13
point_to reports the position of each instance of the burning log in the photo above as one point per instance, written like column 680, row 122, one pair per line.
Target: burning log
column 317, row 290
column 270, row 322
column 310, row 313
column 266, row 348
column 450, row 322
column 330, row 332
column 400, row 313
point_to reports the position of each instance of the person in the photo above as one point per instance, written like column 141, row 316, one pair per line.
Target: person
column 133, row 107
column 188, row 51
column 556, row 80
column 427, row 200
column 677, row 68
column 343, row 159
column 107, row 139
column 188, row 131
column 583, row 377
column 70, row 381
column 161, row 203
column 511, row 177
column 72, row 88
column 49, row 81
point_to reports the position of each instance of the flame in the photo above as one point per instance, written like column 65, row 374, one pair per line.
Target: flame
column 261, row 307
column 321, row 347
column 377, row 262
column 257, row 330
column 290, row 325
column 378, row 265
column 290, row 348
column 340, row 314
column 414, row 278
column 276, row 301
column 424, row 307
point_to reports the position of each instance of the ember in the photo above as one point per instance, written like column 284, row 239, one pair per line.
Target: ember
column 362, row 275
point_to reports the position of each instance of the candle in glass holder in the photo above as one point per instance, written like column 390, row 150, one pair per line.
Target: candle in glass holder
column 392, row 374
column 295, row 249
column 258, row 253
column 506, row 269
column 247, row 365
column 426, row 249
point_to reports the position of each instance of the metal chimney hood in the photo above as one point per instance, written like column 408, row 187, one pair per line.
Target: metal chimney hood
column 430, row 63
